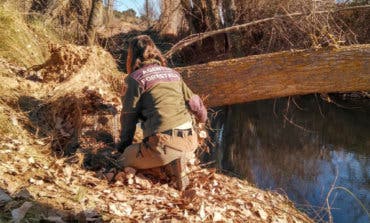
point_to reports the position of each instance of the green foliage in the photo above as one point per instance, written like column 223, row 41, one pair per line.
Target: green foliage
column 127, row 16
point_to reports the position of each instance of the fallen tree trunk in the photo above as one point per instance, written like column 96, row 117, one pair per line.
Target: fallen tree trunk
column 281, row 74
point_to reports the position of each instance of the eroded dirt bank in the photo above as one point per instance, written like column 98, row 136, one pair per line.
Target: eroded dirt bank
column 59, row 123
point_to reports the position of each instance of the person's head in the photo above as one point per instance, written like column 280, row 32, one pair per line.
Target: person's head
column 142, row 51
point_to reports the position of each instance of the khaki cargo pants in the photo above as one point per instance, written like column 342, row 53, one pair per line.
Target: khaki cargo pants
column 160, row 149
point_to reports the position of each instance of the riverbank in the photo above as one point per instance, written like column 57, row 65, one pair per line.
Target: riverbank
column 58, row 159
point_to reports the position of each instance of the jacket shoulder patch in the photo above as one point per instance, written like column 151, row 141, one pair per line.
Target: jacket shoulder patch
column 149, row 76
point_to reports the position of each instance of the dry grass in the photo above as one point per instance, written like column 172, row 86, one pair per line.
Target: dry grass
column 6, row 126
column 18, row 43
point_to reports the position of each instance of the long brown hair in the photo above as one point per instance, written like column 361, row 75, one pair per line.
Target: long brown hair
column 142, row 51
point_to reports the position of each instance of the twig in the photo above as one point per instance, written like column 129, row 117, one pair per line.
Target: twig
column 355, row 197
column 296, row 104
column 332, row 188
column 296, row 125
column 200, row 36
column 274, row 108
column 207, row 164
column 330, row 216
column 318, row 104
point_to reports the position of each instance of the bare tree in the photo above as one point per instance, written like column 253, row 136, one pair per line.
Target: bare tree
column 172, row 17
column 110, row 5
column 94, row 21
column 206, row 15
column 150, row 11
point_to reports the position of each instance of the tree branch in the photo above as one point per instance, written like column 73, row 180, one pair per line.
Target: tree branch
column 200, row 36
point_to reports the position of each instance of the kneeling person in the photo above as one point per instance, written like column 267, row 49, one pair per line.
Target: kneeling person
column 158, row 96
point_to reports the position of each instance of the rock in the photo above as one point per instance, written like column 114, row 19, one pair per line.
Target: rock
column 109, row 176
column 120, row 176
column 130, row 171
column 23, row 193
column 55, row 219
column 19, row 213
column 4, row 198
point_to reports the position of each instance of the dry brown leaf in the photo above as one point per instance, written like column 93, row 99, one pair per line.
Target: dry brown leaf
column 107, row 191
column 36, row 182
column 120, row 209
column 119, row 196
column 217, row 216
column 201, row 212
column 67, row 171
column 31, row 160
column 144, row 182
column 149, row 217
column 130, row 181
column 189, row 194
column 119, row 183
column 279, row 219
column 19, row 213
column 262, row 214
column 39, row 142
column 51, row 188
column 295, row 220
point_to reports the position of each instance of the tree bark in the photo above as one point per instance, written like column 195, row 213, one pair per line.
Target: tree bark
column 94, row 21
column 110, row 6
column 171, row 18
column 281, row 74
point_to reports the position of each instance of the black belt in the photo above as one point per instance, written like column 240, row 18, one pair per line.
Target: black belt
column 178, row 132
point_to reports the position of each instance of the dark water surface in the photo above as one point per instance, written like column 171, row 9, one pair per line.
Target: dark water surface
column 301, row 154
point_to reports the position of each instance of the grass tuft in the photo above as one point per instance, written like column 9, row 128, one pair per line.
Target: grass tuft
column 6, row 125
column 19, row 44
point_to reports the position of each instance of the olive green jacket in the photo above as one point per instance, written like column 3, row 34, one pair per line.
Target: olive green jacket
column 158, row 97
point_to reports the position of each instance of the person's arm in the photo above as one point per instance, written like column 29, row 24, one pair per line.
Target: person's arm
column 195, row 104
column 129, row 114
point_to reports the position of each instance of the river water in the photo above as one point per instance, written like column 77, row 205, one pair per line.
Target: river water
column 303, row 148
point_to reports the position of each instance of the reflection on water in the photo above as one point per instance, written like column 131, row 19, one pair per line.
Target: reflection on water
column 300, row 154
